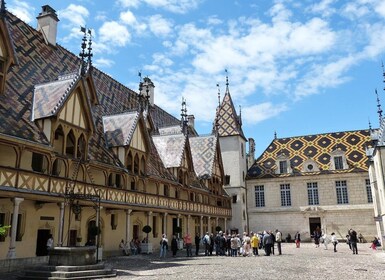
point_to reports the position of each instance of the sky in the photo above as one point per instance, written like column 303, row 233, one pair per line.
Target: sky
column 294, row 67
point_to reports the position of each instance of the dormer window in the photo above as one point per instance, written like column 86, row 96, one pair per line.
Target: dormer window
column 338, row 160
column 283, row 164
column 309, row 165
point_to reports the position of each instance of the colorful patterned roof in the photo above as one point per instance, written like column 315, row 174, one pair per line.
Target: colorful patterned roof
column 176, row 129
column 119, row 129
column 170, row 148
column 317, row 148
column 49, row 97
column 227, row 121
column 203, row 149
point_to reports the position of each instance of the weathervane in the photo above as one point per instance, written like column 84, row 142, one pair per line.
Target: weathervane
column 184, row 116
column 379, row 110
column 227, row 81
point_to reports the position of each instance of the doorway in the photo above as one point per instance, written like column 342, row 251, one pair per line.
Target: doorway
column 314, row 223
column 41, row 242
column 135, row 231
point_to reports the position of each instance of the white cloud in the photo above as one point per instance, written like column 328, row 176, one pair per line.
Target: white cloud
column 324, row 7
column 114, row 34
column 103, row 63
column 128, row 3
column 355, row 11
column 128, row 17
column 75, row 14
column 175, row 6
column 380, row 8
column 159, row 25
column 260, row 112
column 22, row 10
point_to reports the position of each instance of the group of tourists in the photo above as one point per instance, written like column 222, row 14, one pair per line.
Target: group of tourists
column 224, row 244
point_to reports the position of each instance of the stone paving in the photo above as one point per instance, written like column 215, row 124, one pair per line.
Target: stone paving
column 306, row 262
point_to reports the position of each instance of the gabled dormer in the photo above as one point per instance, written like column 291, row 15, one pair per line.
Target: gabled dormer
column 283, row 164
column 7, row 56
column 310, row 165
column 62, row 111
column 338, row 160
column 126, row 135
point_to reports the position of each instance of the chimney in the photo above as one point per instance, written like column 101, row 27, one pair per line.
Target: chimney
column 47, row 23
column 251, row 155
column 191, row 121
column 148, row 84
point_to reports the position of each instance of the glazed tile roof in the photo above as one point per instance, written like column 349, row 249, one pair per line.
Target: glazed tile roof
column 36, row 74
column 49, row 97
column 176, row 129
column 318, row 148
column 203, row 150
column 170, row 148
column 118, row 129
column 227, row 121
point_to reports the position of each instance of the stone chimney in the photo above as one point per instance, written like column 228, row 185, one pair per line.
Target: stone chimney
column 251, row 155
column 148, row 84
column 47, row 24
column 191, row 121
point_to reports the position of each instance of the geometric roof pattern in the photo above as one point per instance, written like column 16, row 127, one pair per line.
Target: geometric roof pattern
column 318, row 148
column 118, row 129
column 170, row 148
column 176, row 129
column 203, row 150
column 48, row 98
column 227, row 122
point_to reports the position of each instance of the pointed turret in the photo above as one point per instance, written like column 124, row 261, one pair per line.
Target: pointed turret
column 227, row 121
column 2, row 7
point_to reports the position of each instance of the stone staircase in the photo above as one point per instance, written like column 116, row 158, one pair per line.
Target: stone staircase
column 93, row 271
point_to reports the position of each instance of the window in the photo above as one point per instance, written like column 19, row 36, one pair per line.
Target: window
column 166, row 191
column 234, row 199
column 283, row 166
column 242, row 152
column 312, row 193
column 342, row 192
column 39, row 163
column 338, row 163
column 285, row 195
column 259, row 196
column 368, row 191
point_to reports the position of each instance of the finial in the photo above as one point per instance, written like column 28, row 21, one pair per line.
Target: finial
column 383, row 71
column 2, row 8
column 140, row 82
column 219, row 96
column 370, row 125
column 83, row 55
column 379, row 110
column 275, row 134
column 184, row 116
column 240, row 115
column 227, row 81
column 89, row 54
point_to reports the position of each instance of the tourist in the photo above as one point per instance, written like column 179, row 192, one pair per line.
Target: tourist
column 325, row 240
column 49, row 243
column 234, row 245
column 206, row 243
column 255, row 244
column 375, row 243
column 123, row 248
column 267, row 243
column 163, row 246
column 174, row 245
column 133, row 248
column 317, row 235
column 297, row 239
column 353, row 240
column 188, row 242
column 278, row 239
column 197, row 243
column 272, row 236
column 334, row 241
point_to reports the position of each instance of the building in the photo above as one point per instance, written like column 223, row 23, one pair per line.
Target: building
column 228, row 126
column 299, row 183
column 86, row 159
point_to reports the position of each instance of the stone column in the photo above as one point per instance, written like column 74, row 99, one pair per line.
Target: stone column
column 201, row 233
column 165, row 223
column 128, row 225
column 188, row 224
column 61, row 224
column 226, row 224
column 217, row 221
column 15, row 217
column 209, row 224
column 98, row 224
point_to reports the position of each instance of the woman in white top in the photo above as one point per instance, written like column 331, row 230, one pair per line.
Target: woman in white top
column 334, row 241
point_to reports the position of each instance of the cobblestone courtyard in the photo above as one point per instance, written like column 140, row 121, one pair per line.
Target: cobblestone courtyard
column 306, row 262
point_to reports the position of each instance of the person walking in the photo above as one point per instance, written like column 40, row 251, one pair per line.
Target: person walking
column 297, row 239
column 267, row 243
column 334, row 241
column 188, row 242
column 206, row 243
column 278, row 239
column 255, row 244
column 353, row 241
column 163, row 246
column 197, row 243
column 174, row 245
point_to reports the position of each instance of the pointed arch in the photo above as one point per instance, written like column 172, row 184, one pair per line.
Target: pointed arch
column 136, row 164
column 143, row 166
column 70, row 144
column 81, row 147
column 58, row 140
column 180, row 176
column 129, row 161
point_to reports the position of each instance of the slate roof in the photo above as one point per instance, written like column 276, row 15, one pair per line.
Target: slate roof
column 316, row 147
column 170, row 148
column 203, row 150
column 227, row 121
column 118, row 129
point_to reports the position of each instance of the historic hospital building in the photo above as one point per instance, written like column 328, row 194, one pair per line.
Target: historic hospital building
column 79, row 149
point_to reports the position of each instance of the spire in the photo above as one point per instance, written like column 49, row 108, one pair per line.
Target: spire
column 240, row 115
column 2, row 7
column 370, row 126
column 85, row 65
column 275, row 135
column 183, row 114
column 379, row 110
column 219, row 96
column 227, row 82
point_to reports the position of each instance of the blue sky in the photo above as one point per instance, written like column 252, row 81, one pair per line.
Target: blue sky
column 295, row 67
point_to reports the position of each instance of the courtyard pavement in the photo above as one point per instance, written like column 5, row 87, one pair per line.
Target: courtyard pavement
column 306, row 262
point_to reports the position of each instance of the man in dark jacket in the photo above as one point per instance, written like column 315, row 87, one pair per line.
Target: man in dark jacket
column 353, row 240
column 197, row 242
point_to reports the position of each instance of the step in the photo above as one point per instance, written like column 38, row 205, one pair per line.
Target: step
column 67, row 274
column 111, row 275
column 68, row 268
